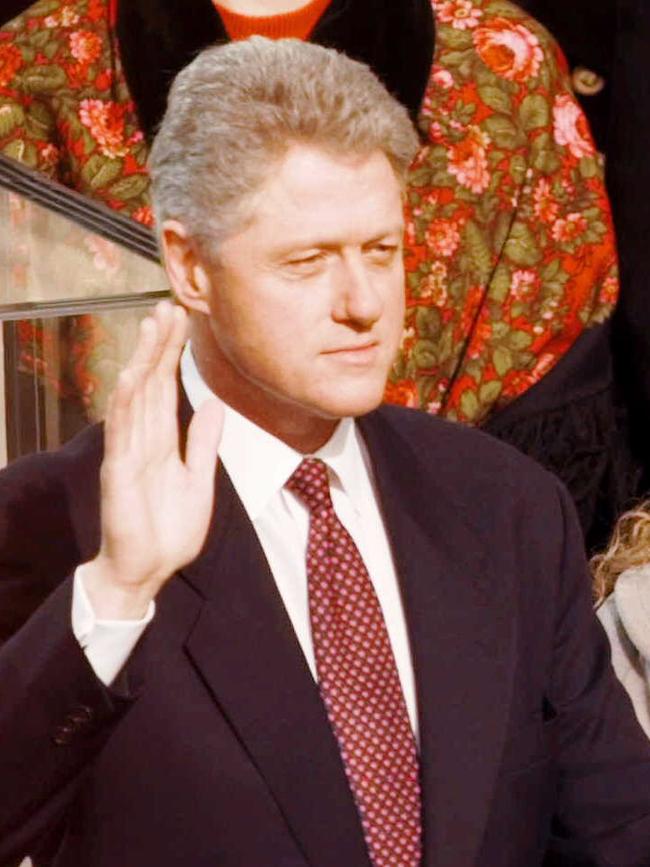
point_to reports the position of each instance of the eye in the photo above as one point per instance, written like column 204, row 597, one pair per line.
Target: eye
column 383, row 252
column 309, row 263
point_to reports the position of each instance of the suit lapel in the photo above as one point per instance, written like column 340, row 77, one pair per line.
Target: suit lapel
column 246, row 651
column 459, row 621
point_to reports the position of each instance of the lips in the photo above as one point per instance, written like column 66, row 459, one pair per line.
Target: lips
column 364, row 347
column 365, row 354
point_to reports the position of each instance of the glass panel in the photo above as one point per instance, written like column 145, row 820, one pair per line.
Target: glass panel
column 58, row 374
column 48, row 261
column 75, row 280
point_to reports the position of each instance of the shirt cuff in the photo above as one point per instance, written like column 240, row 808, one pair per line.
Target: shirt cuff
column 106, row 643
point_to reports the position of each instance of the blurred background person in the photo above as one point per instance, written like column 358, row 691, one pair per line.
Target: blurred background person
column 622, row 586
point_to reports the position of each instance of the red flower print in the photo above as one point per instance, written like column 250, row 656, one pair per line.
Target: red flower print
column 567, row 230
column 144, row 215
column 509, row 49
column 482, row 334
column 545, row 204
column 104, row 79
column 105, row 120
column 65, row 17
column 97, row 10
column 48, row 154
column 570, row 127
column 10, row 62
column 525, row 284
column 443, row 237
column 403, row 393
column 461, row 14
column 434, row 286
column 85, row 46
column 443, row 78
column 468, row 161
column 609, row 291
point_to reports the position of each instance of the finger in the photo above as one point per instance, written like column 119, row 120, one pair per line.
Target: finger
column 174, row 342
column 119, row 417
column 160, row 417
column 161, row 388
column 140, row 362
column 154, row 331
column 165, row 318
column 203, row 439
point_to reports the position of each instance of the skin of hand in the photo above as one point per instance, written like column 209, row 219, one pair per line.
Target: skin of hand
column 155, row 506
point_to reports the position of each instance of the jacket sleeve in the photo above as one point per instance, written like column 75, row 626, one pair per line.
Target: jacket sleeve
column 55, row 716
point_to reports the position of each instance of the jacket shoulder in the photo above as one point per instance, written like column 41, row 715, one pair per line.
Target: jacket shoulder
column 448, row 447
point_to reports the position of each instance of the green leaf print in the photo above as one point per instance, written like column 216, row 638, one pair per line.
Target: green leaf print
column 500, row 283
column 130, row 188
column 99, row 171
column 425, row 353
column 534, row 112
column 502, row 360
column 479, row 250
column 490, row 391
column 496, row 98
column 11, row 116
column 502, row 131
column 43, row 79
column 469, row 404
column 521, row 247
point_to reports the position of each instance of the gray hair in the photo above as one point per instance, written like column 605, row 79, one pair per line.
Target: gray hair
column 235, row 110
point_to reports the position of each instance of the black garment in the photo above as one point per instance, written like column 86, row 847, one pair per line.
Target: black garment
column 628, row 180
column 575, row 424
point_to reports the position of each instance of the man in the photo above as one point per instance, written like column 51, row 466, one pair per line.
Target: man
column 352, row 655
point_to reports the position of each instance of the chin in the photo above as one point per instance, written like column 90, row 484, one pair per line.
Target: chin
column 354, row 404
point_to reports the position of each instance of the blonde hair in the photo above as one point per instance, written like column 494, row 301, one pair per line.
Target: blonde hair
column 628, row 547
column 234, row 112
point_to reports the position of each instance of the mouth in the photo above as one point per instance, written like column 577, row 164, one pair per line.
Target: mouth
column 364, row 353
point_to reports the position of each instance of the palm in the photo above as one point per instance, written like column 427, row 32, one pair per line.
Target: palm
column 156, row 506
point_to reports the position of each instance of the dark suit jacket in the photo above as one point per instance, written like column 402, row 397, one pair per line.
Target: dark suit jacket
column 214, row 747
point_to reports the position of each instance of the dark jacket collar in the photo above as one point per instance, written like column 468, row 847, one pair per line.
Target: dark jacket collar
column 158, row 38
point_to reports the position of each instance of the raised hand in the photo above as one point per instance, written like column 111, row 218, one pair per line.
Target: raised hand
column 155, row 506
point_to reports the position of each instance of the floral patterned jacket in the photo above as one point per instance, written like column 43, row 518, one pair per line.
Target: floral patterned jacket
column 510, row 252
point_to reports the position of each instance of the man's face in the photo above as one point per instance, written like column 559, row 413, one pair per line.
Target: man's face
column 306, row 306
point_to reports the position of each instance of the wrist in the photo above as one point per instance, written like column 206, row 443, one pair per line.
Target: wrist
column 112, row 597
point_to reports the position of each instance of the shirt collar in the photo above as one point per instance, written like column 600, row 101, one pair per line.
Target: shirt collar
column 259, row 464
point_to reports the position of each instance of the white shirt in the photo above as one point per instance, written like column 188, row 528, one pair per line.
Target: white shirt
column 259, row 465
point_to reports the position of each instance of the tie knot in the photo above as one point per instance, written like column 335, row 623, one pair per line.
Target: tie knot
column 311, row 483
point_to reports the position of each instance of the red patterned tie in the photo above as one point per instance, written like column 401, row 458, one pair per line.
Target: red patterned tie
column 358, row 680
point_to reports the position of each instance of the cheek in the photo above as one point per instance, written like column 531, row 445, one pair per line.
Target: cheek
column 396, row 305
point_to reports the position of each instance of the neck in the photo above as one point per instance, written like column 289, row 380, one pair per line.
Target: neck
column 293, row 424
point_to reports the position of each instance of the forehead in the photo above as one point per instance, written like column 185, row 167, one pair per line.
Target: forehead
column 312, row 196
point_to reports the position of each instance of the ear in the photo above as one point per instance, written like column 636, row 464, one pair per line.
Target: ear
column 188, row 274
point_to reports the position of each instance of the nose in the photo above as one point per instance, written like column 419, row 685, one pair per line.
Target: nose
column 358, row 296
